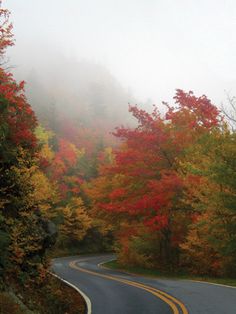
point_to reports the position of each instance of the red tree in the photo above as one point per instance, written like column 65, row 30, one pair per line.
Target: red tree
column 150, row 187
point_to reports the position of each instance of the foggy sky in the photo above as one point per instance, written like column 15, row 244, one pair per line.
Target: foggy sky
column 151, row 46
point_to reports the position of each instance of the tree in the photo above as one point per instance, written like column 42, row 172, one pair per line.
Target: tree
column 210, row 174
column 230, row 111
column 149, row 189
column 76, row 221
column 25, row 235
column 6, row 36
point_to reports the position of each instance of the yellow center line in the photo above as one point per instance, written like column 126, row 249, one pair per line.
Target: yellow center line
column 171, row 301
column 181, row 305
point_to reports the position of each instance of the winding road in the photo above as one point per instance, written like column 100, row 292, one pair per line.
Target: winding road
column 113, row 292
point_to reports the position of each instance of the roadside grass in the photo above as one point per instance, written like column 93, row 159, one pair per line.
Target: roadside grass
column 168, row 275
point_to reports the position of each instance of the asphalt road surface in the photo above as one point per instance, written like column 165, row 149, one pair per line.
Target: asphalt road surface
column 114, row 292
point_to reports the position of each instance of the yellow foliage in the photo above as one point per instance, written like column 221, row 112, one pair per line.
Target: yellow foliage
column 98, row 190
column 108, row 155
column 42, row 193
column 76, row 220
column 47, row 153
column 42, row 135
column 23, row 241
column 199, row 254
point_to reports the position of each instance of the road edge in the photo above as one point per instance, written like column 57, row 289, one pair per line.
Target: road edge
column 192, row 280
column 100, row 265
column 86, row 298
column 210, row 283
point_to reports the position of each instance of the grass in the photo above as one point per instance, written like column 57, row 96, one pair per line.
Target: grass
column 168, row 275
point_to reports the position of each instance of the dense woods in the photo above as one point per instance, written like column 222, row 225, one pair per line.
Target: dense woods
column 161, row 193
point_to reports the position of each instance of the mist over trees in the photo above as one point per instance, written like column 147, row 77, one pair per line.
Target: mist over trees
column 83, row 92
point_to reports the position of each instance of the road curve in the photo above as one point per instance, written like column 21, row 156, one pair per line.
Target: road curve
column 113, row 292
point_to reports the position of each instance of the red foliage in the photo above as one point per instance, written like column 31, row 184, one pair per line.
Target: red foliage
column 16, row 113
column 67, row 153
column 6, row 36
column 117, row 193
column 151, row 185
column 197, row 111
column 17, row 119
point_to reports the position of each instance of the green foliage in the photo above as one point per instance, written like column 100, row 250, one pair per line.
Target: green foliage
column 4, row 244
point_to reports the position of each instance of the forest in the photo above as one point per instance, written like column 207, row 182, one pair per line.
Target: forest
column 158, row 189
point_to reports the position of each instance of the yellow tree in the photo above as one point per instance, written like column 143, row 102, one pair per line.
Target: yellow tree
column 27, row 223
column 76, row 221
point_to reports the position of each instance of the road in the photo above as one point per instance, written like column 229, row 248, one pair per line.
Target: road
column 114, row 292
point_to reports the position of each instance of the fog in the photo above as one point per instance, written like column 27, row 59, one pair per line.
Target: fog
column 75, row 51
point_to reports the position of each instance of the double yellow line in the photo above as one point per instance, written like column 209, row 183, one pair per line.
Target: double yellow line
column 170, row 300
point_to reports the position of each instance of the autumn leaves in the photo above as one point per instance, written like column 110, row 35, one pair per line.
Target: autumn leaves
column 168, row 189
